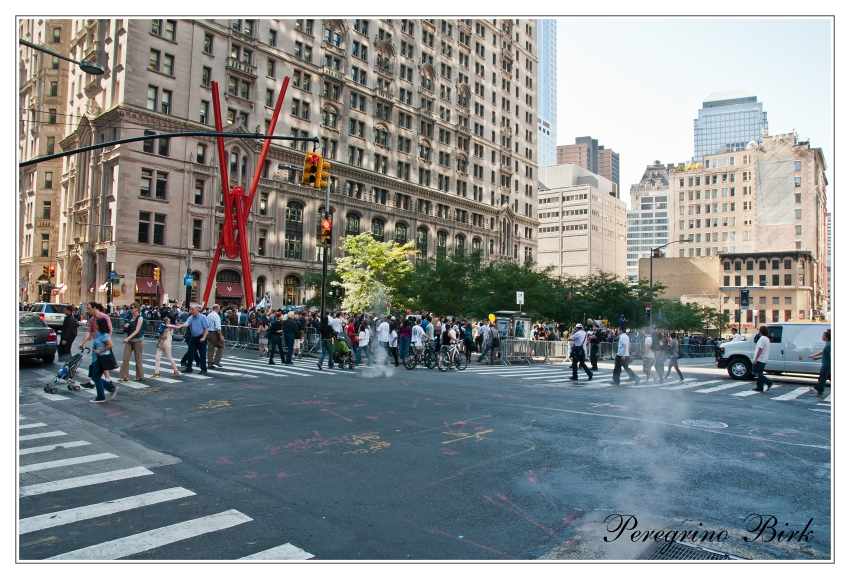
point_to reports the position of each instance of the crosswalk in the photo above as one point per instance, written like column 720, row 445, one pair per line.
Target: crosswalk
column 559, row 376
column 61, row 509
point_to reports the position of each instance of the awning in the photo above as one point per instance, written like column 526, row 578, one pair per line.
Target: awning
column 147, row 286
column 228, row 290
column 91, row 287
column 103, row 287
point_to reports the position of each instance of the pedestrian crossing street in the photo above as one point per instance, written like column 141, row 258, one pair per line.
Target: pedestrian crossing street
column 559, row 376
column 234, row 367
column 42, row 449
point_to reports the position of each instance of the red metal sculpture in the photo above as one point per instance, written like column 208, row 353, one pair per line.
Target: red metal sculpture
column 237, row 204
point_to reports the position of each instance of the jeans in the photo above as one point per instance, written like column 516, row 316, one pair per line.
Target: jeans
column 363, row 349
column 275, row 342
column 825, row 374
column 622, row 362
column 97, row 378
column 487, row 350
column 404, row 346
column 659, row 366
column 674, row 363
column 758, row 370
column 327, row 348
column 289, row 338
column 199, row 348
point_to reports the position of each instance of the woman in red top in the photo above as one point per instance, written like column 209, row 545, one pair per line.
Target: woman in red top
column 352, row 333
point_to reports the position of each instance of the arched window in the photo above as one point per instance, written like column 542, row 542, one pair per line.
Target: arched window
column 261, row 287
column 291, row 290
column 460, row 244
column 476, row 244
column 378, row 229
column 294, row 230
column 401, row 233
column 441, row 243
column 352, row 224
column 146, row 269
column 421, row 244
column 229, row 276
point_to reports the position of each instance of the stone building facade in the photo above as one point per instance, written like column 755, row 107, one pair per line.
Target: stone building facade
column 582, row 223
column 43, row 80
column 429, row 126
column 766, row 198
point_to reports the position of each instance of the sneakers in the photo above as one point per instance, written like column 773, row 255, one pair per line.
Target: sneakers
column 319, row 365
column 97, row 400
column 574, row 378
column 202, row 372
column 758, row 389
column 817, row 394
column 113, row 392
column 590, row 377
column 272, row 362
column 637, row 381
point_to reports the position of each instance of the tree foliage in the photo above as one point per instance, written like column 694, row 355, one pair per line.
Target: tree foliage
column 372, row 271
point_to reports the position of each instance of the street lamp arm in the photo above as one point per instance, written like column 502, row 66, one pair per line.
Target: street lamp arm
column 89, row 67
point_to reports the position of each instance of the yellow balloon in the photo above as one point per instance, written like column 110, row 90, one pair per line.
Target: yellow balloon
column 492, row 318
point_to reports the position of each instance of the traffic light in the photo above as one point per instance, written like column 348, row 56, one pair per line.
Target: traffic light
column 326, row 232
column 323, row 174
column 646, row 314
column 311, row 168
column 45, row 271
column 156, row 273
column 52, row 271
column 338, row 292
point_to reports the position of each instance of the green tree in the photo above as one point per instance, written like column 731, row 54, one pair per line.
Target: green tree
column 681, row 317
column 314, row 279
column 373, row 271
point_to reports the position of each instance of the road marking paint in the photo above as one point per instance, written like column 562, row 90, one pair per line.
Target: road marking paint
column 49, row 447
column 50, row 520
column 195, row 376
column 148, row 540
column 165, row 380
column 222, row 373
column 746, row 393
column 718, row 388
column 42, row 435
column 81, row 481
column 49, row 396
column 824, row 404
column 256, row 368
column 820, row 410
column 66, row 462
column 34, row 425
column 22, row 417
column 287, row 552
column 828, row 398
column 796, row 393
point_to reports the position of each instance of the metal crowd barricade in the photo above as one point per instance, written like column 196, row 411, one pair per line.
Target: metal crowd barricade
column 514, row 350
column 231, row 336
column 540, row 349
column 559, row 351
column 310, row 343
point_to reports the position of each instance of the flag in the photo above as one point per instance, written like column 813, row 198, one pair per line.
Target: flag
column 266, row 301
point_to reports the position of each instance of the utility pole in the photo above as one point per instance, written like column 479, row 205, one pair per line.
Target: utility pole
column 189, row 272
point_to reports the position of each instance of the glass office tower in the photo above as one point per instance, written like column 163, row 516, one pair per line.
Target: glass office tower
column 547, row 90
column 728, row 121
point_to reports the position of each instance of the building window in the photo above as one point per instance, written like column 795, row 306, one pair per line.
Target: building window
column 152, row 94
column 378, row 229
column 294, row 230
column 54, row 89
column 199, row 192
column 45, row 245
column 208, row 43
column 441, row 244
column 144, row 227
column 261, row 241
column 206, row 76
column 197, row 230
column 400, row 233
column 165, row 104
column 168, row 64
column 51, row 144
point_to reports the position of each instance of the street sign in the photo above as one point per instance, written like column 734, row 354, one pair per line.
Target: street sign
column 113, row 280
column 110, row 254
column 520, row 298
column 188, row 280
column 113, row 273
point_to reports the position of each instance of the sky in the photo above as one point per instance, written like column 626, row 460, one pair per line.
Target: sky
column 636, row 84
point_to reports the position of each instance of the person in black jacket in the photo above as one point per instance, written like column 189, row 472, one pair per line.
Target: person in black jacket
column 291, row 330
column 275, row 336
column 326, row 333
column 69, row 333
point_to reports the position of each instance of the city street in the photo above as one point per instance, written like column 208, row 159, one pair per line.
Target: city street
column 377, row 463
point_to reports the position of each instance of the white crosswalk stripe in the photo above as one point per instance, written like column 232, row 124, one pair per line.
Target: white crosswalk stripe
column 140, row 542
column 49, row 447
column 81, row 481
column 51, row 434
column 34, row 425
column 285, row 552
column 796, row 393
column 50, row 520
column 66, row 462
column 50, row 396
column 745, row 393
column 718, row 388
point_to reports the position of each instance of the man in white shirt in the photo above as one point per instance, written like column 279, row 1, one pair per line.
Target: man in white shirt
column 579, row 338
column 648, row 354
column 383, row 331
column 736, row 337
column 621, row 360
column 336, row 324
column 486, row 342
column 417, row 335
column 215, row 338
column 760, row 358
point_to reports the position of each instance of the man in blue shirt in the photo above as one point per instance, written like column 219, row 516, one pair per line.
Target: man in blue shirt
column 198, row 328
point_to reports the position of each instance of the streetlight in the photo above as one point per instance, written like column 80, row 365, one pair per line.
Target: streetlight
column 85, row 65
column 652, row 255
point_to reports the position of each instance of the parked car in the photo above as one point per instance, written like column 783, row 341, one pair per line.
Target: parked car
column 52, row 314
column 791, row 344
column 35, row 338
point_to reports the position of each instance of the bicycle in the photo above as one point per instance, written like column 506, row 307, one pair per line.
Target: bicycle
column 423, row 355
column 451, row 356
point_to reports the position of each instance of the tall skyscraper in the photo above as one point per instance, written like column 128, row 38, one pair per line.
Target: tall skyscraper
column 588, row 153
column 728, row 121
column 547, row 90
column 649, row 217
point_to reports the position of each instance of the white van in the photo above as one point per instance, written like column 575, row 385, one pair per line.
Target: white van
column 791, row 345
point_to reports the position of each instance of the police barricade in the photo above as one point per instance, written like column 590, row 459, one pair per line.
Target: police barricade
column 512, row 350
column 559, row 351
column 541, row 349
column 310, row 343
column 231, row 336
column 607, row 351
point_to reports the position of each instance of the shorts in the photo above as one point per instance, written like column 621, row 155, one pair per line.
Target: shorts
column 264, row 341
column 648, row 362
column 297, row 343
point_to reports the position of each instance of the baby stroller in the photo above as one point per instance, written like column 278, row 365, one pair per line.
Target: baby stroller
column 343, row 355
column 68, row 373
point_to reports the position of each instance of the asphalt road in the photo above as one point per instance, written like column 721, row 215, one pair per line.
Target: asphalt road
column 489, row 463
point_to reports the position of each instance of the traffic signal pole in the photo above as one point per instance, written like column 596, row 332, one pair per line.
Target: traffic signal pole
column 325, row 251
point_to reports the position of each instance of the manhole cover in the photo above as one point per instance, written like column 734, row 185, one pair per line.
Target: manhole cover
column 678, row 551
column 705, row 424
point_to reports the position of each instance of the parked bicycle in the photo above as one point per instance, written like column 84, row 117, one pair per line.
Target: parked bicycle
column 421, row 356
column 451, row 356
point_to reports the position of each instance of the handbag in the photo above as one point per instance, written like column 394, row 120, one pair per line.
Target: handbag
column 107, row 361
